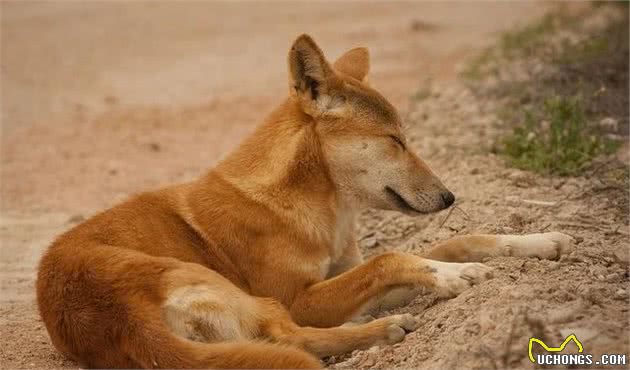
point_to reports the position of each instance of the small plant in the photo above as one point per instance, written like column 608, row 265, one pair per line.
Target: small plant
column 557, row 140
column 479, row 66
column 584, row 51
column 525, row 40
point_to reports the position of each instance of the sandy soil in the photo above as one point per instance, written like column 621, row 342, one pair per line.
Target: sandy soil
column 101, row 100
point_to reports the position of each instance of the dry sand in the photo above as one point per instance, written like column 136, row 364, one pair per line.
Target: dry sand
column 104, row 99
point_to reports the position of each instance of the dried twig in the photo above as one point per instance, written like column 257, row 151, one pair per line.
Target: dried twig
column 510, row 339
column 446, row 218
column 464, row 212
column 466, row 215
column 539, row 202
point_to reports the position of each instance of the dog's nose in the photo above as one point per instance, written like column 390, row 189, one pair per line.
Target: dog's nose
column 448, row 198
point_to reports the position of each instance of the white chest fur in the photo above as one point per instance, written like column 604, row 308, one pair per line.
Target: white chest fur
column 334, row 240
column 343, row 234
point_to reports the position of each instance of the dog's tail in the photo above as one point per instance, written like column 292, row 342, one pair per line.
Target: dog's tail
column 161, row 349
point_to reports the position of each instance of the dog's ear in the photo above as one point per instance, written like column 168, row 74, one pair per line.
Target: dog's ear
column 354, row 63
column 309, row 72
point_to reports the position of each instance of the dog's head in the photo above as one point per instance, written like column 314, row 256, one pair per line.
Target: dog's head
column 360, row 133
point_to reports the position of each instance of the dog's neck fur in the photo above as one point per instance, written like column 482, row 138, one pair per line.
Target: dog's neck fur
column 282, row 166
column 283, row 154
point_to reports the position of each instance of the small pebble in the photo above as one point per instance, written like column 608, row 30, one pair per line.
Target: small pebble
column 621, row 294
column 612, row 277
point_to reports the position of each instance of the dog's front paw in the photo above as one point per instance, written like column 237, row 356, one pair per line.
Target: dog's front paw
column 549, row 245
column 451, row 279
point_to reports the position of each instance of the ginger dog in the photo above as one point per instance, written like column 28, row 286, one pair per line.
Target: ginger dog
column 255, row 264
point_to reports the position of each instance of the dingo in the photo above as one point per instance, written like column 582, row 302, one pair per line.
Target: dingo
column 255, row 264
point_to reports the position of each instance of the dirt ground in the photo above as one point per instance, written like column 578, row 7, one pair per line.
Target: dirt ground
column 104, row 99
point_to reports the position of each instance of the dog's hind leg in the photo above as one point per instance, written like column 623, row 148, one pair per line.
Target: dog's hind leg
column 277, row 325
column 477, row 248
column 152, row 346
column 203, row 306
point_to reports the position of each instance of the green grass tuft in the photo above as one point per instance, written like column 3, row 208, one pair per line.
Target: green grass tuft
column 478, row 67
column 527, row 39
column 557, row 140
column 523, row 41
column 584, row 51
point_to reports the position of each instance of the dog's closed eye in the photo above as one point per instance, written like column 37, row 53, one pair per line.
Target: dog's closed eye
column 398, row 141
